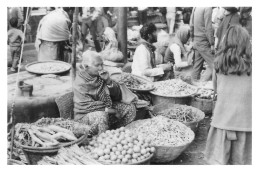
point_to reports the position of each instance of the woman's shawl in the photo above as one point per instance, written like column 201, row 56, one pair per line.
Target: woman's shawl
column 90, row 93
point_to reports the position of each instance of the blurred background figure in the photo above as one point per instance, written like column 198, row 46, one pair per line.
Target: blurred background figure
column 53, row 33
column 246, row 19
column 170, row 17
column 16, row 12
column 231, row 17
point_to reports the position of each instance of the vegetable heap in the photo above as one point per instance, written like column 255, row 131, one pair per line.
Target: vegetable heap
column 48, row 67
column 119, row 147
column 69, row 156
column 131, row 82
column 182, row 113
column 205, row 94
column 49, row 132
column 174, row 87
column 163, row 131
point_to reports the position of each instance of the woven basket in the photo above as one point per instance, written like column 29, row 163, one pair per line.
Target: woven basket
column 205, row 105
column 193, row 125
column 145, row 161
column 164, row 154
column 65, row 105
column 35, row 154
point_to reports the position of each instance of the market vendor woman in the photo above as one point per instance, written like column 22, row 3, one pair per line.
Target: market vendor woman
column 97, row 98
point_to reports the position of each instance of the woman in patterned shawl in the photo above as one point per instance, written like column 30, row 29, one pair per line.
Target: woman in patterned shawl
column 97, row 98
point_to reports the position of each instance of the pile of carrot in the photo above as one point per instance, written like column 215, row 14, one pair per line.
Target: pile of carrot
column 44, row 136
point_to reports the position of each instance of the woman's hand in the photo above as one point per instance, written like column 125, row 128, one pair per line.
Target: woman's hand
column 105, row 76
column 165, row 67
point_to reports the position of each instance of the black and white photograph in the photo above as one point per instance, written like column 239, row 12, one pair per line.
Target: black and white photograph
column 100, row 84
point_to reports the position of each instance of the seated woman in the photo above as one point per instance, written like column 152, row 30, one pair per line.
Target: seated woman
column 97, row 98
column 176, row 53
column 144, row 57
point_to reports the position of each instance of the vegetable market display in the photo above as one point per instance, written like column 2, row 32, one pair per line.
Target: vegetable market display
column 173, row 88
column 182, row 113
column 119, row 147
column 134, row 83
column 69, row 156
column 162, row 131
column 47, row 67
column 49, row 132
column 205, row 94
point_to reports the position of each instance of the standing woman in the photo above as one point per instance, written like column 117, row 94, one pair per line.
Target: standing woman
column 230, row 136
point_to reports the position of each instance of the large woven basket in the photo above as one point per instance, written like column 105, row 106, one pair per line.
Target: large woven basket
column 193, row 125
column 205, row 105
column 164, row 154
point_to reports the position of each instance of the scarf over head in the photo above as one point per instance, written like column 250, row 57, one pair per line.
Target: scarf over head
column 181, row 38
column 89, row 93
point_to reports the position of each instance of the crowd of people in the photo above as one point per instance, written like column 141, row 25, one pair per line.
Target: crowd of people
column 216, row 41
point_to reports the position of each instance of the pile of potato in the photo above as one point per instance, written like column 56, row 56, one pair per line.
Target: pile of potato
column 120, row 147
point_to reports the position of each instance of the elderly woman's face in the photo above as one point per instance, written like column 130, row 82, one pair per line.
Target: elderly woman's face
column 96, row 66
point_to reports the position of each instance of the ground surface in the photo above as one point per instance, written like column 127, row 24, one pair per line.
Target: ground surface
column 193, row 155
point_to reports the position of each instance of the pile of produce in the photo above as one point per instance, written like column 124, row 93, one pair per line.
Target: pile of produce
column 78, row 129
column 173, row 87
column 163, row 131
column 119, row 147
column 48, row 67
column 205, row 94
column 49, row 132
column 132, row 82
column 69, row 156
column 182, row 113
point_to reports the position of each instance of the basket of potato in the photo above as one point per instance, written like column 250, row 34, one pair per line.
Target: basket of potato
column 120, row 146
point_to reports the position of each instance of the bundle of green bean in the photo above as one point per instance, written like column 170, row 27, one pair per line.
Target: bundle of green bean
column 163, row 131
column 180, row 113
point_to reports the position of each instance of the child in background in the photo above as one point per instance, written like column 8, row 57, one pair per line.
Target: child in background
column 230, row 136
column 14, row 41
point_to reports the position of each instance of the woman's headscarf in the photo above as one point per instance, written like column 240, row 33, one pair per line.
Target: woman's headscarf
column 182, row 36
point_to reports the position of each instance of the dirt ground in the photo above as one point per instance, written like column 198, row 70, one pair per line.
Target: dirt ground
column 193, row 155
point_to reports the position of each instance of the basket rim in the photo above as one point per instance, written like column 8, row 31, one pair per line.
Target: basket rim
column 205, row 100
column 146, row 159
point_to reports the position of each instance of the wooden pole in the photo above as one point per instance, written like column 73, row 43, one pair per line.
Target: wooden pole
column 122, row 31
column 74, row 42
